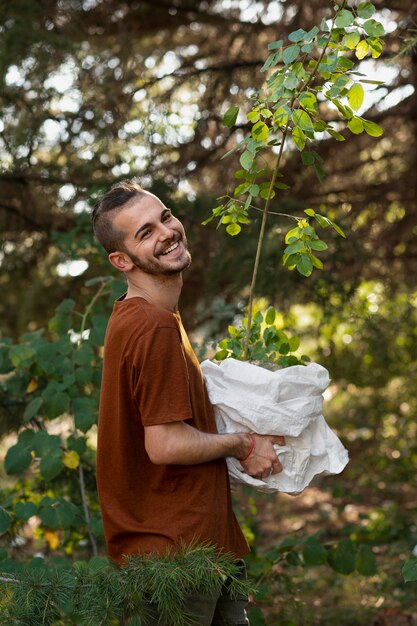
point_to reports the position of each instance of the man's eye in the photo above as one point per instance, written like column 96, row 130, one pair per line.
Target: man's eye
column 146, row 233
column 167, row 217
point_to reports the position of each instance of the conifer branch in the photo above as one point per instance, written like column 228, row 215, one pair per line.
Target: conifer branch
column 100, row 592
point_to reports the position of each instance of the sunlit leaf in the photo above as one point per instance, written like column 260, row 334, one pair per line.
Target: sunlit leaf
column 355, row 125
column 355, row 96
column 362, row 49
column 372, row 129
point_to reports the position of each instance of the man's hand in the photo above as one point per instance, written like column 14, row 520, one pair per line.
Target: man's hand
column 263, row 461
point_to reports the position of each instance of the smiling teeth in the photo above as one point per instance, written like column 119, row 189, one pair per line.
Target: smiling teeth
column 171, row 248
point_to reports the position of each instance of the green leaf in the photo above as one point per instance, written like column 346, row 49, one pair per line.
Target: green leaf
column 85, row 410
column 221, row 355
column 281, row 116
column 233, row 229
column 308, row 101
column 314, row 552
column 270, row 316
column 51, row 465
column 230, row 117
column 5, row 520
column 297, row 35
column 373, row 28
column 317, row 263
column 365, row 561
column 307, row 47
column 317, row 244
column 344, row 64
column 260, row 131
column 307, row 158
column 26, row 437
column 272, row 60
column 376, row 51
column 22, row 355
column 97, row 525
column 78, row 444
column 351, row 40
column 365, row 10
column 56, row 404
column 246, row 160
column 58, row 514
column 266, row 113
column 294, row 343
column 18, row 459
column 344, row 18
column 65, row 307
column 304, row 265
column 362, row 49
column 293, row 235
column 335, row 134
column 275, row 45
column 372, row 129
column 25, row 510
column 298, row 138
column 84, row 375
column 253, row 116
column 311, row 34
column 32, row 409
column 294, row 248
column 98, row 330
column 310, row 212
column 43, row 443
column 302, row 120
column 84, row 355
column 355, row 96
column 338, row 229
column 409, row 570
column 355, row 125
column 342, row 558
column 290, row 54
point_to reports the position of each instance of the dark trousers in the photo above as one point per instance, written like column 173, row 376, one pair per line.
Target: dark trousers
column 217, row 610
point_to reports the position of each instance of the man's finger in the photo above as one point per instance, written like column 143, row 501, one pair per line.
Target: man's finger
column 276, row 467
column 278, row 439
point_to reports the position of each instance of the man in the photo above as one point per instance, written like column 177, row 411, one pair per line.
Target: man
column 161, row 470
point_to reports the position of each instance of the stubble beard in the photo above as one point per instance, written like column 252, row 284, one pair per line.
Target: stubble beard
column 156, row 269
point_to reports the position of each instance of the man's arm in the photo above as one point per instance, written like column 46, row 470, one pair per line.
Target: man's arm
column 178, row 443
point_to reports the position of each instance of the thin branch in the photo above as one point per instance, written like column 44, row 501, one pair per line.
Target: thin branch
column 86, row 511
column 300, row 88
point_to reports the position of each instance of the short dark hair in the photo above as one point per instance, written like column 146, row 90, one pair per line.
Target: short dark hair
column 107, row 207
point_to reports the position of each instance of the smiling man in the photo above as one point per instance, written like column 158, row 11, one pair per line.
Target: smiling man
column 161, row 470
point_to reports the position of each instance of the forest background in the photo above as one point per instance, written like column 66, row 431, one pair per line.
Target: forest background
column 93, row 92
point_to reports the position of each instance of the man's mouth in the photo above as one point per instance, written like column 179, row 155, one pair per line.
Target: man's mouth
column 171, row 248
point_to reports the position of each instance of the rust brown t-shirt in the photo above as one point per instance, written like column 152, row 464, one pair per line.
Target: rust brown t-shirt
column 152, row 376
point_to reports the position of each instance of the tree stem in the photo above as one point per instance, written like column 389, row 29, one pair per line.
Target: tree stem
column 260, row 244
column 86, row 511
column 265, row 210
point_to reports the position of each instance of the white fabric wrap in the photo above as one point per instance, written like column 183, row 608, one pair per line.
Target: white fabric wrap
column 289, row 401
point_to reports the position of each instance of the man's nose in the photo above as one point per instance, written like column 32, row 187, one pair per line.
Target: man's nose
column 164, row 232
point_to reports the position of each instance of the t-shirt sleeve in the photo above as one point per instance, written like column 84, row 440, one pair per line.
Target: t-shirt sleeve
column 160, row 378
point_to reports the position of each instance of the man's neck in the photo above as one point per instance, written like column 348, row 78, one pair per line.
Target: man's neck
column 163, row 290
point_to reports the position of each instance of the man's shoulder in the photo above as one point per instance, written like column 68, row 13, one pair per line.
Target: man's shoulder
column 137, row 317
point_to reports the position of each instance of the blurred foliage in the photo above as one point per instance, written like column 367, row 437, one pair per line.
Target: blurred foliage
column 96, row 91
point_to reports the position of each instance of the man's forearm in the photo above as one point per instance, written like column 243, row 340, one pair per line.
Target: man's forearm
column 179, row 443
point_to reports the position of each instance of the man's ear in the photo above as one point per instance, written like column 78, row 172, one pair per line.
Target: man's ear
column 121, row 261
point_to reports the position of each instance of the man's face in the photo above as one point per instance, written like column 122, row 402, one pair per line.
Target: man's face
column 154, row 240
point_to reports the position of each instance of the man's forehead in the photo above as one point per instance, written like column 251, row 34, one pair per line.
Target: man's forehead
column 140, row 208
